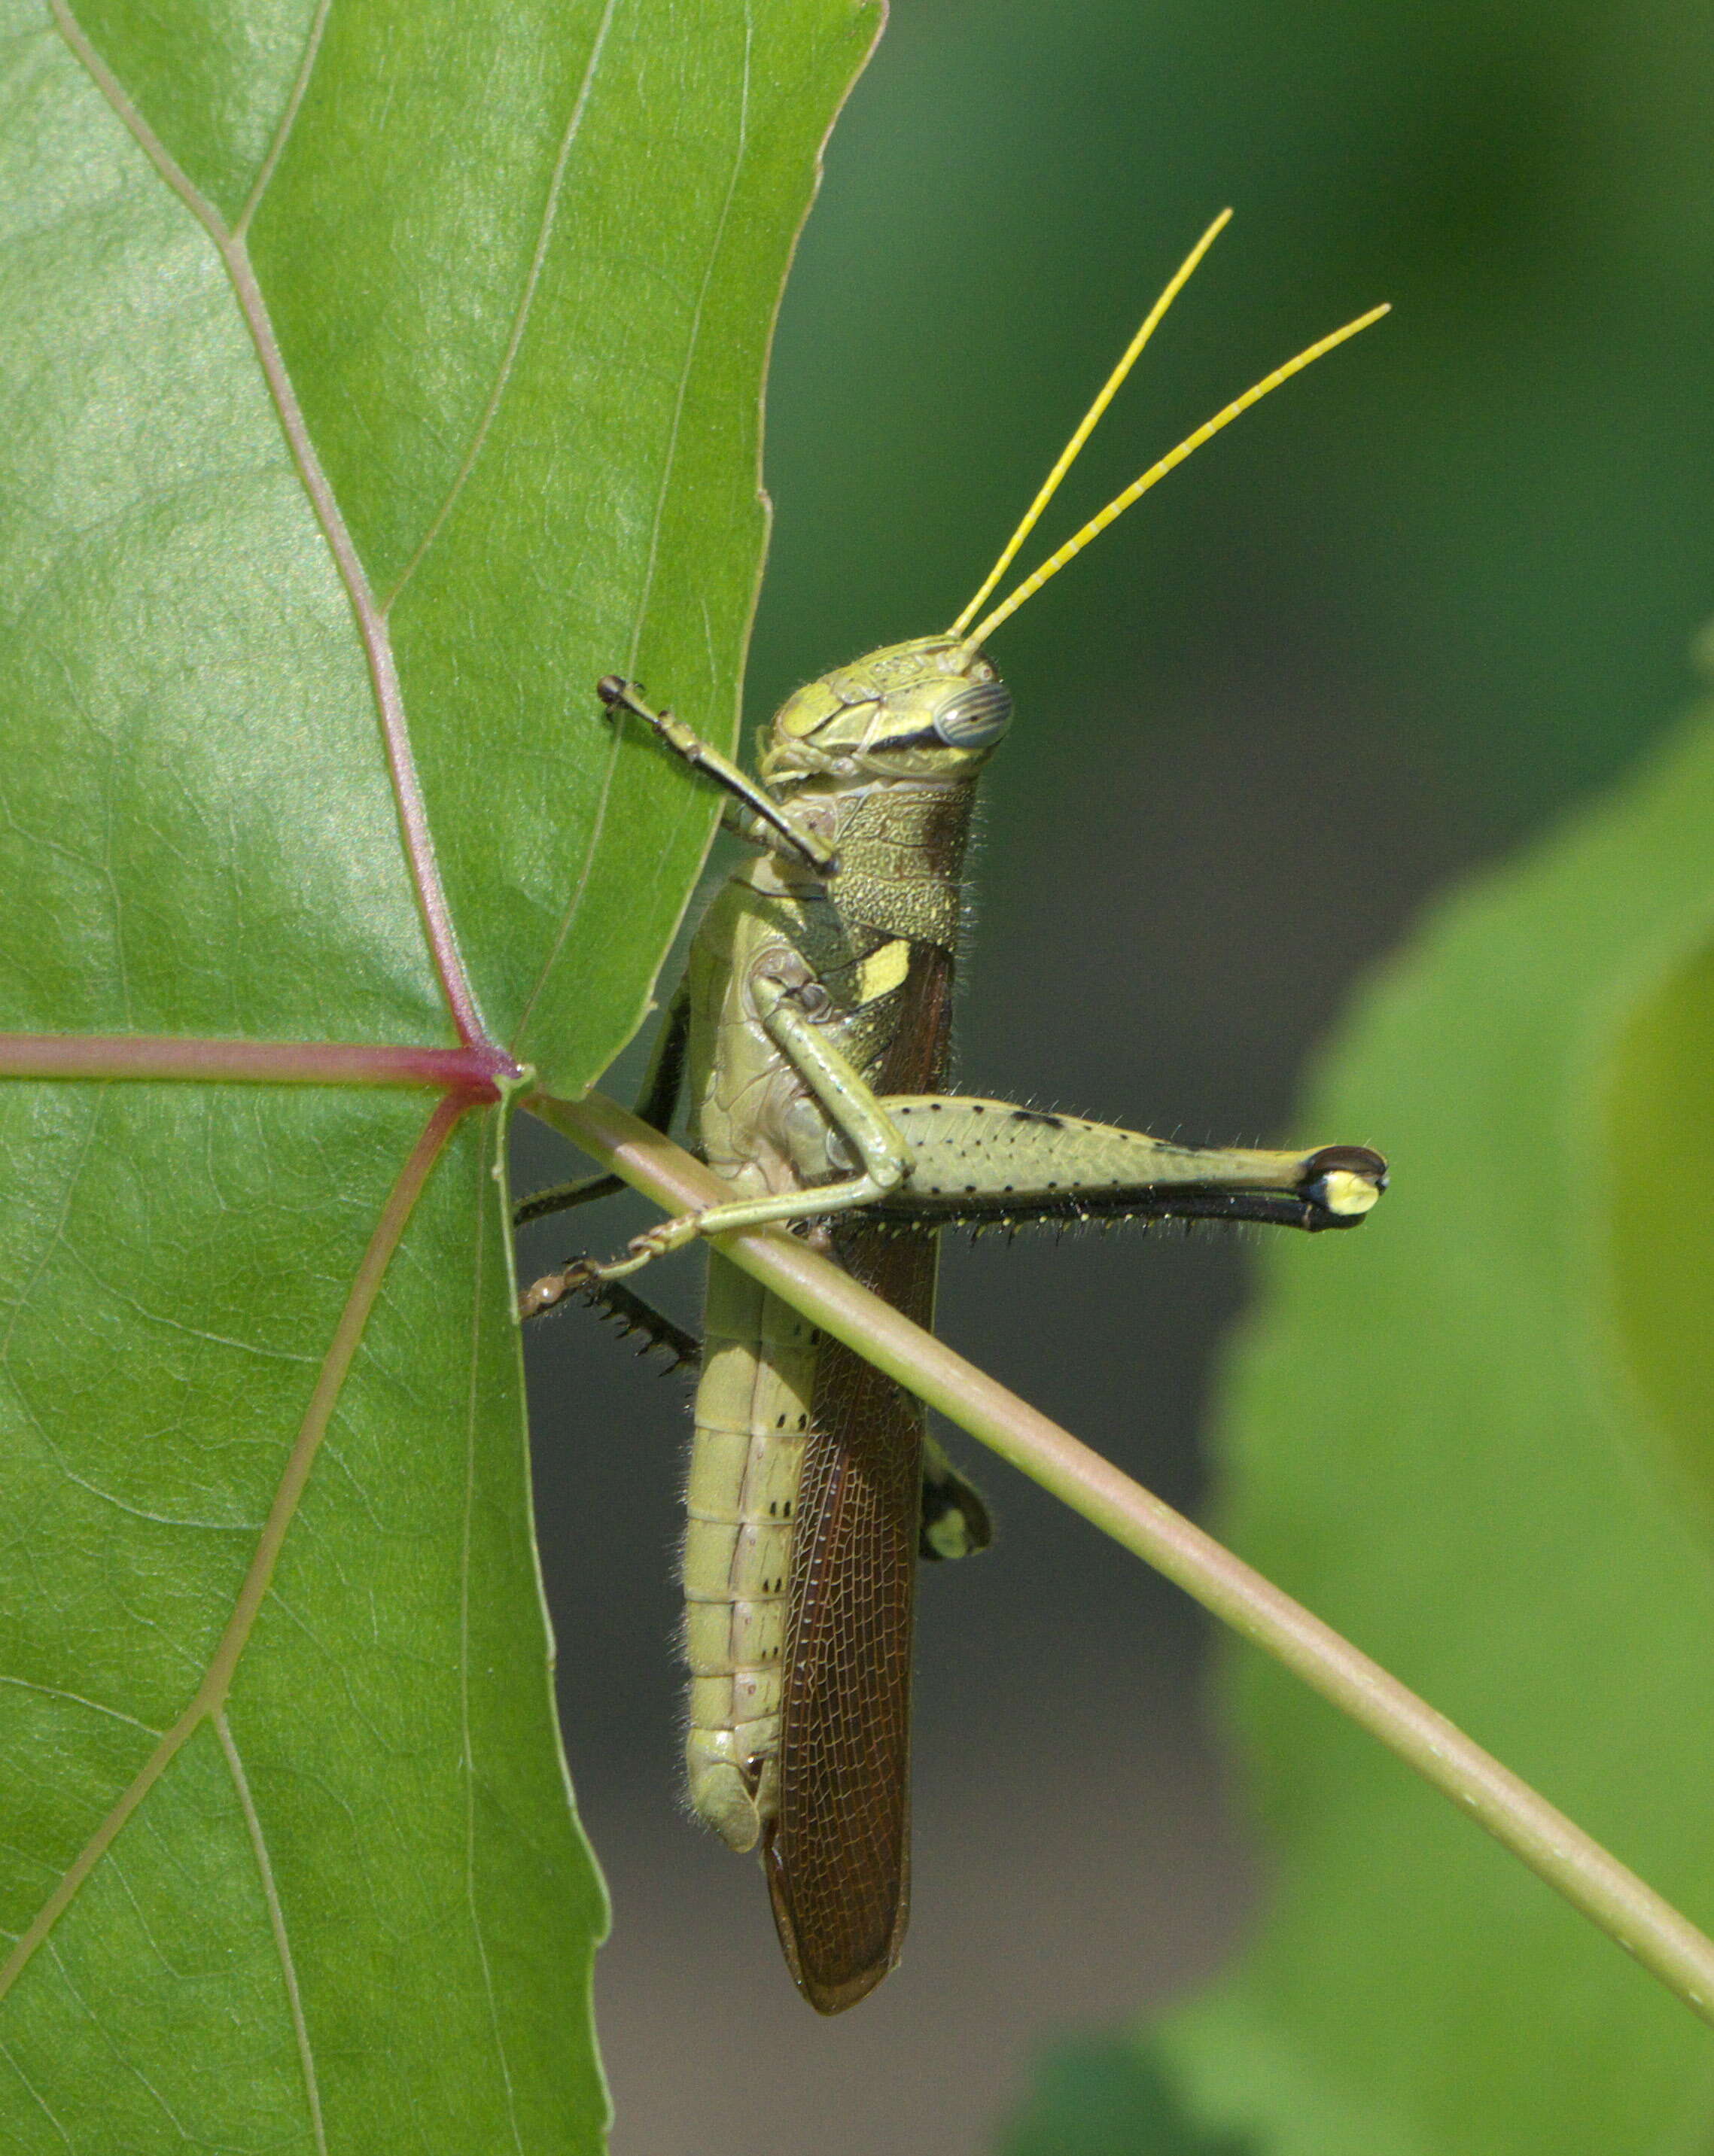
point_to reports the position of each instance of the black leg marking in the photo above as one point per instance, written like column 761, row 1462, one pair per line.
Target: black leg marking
column 561, row 1197
column 614, row 1299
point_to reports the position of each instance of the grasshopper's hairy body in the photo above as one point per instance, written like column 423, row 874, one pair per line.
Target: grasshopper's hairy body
column 818, row 1018
column 847, row 947
column 758, row 1124
column 813, row 1036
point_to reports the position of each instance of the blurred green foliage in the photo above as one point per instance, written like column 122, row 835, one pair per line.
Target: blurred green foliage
column 1477, row 1448
column 1485, row 524
column 1660, row 1147
column 1103, row 2096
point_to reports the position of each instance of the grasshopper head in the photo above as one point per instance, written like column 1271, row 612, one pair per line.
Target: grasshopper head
column 932, row 708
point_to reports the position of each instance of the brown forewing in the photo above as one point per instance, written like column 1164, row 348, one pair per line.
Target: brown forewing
column 838, row 1854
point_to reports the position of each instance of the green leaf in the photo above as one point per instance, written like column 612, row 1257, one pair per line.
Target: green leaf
column 1106, row 2097
column 375, row 378
column 1661, row 1144
column 1476, row 1441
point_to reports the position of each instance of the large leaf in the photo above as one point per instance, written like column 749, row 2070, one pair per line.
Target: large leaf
column 374, row 378
column 1480, row 1446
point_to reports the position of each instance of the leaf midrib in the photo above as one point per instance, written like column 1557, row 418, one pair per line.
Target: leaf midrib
column 208, row 1701
column 372, row 633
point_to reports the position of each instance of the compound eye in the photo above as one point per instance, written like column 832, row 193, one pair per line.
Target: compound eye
column 976, row 717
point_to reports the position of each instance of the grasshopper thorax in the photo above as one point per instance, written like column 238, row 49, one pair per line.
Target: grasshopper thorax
column 931, row 709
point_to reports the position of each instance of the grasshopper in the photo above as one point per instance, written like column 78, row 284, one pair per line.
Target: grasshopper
column 811, row 1032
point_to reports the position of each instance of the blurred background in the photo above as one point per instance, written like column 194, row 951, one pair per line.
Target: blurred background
column 1393, row 621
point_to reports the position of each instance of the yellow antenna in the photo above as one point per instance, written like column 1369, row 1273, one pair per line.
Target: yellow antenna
column 1067, row 456
column 1097, row 524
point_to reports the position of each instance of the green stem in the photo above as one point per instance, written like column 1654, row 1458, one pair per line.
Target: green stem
column 1552, row 1846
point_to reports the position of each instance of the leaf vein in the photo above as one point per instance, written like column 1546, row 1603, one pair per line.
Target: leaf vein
column 288, row 120
column 36, row 2097
column 550, row 209
column 77, row 1699
column 128, row 2065
column 371, row 627
column 105, row 1496
column 276, row 1919
column 212, row 1339
column 54, row 1240
column 669, row 462
column 210, row 1695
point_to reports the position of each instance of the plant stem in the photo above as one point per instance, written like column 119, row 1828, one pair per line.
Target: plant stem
column 1552, row 1846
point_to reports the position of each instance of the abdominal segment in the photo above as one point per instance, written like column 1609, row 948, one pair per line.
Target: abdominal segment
column 752, row 1424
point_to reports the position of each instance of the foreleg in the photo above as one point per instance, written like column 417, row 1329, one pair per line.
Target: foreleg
column 883, row 1156
column 790, row 832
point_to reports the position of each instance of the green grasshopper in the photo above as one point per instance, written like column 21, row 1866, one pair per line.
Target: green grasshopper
column 812, row 1034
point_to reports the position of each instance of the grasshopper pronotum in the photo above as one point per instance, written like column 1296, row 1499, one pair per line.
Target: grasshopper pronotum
column 812, row 1034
